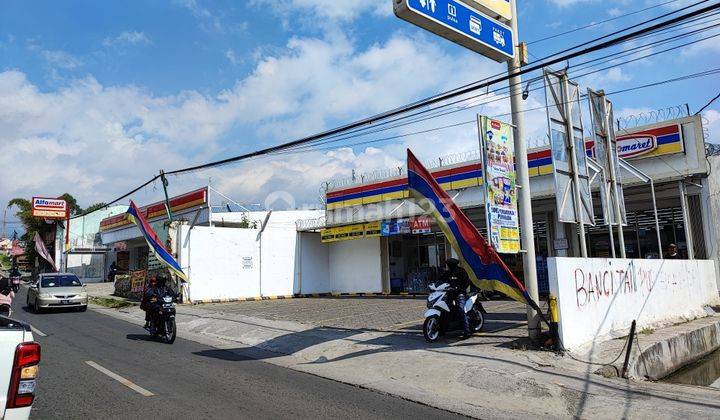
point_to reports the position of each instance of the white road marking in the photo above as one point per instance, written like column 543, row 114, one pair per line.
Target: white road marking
column 38, row 332
column 140, row 390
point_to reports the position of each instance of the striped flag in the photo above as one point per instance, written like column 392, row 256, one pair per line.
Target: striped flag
column 161, row 253
column 484, row 266
column 42, row 250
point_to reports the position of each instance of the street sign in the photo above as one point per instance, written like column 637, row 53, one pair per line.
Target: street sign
column 498, row 8
column 460, row 23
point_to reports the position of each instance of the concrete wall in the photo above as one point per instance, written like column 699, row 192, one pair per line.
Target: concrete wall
column 89, row 267
column 355, row 266
column 598, row 298
column 711, row 212
column 312, row 265
column 278, row 262
column 221, row 263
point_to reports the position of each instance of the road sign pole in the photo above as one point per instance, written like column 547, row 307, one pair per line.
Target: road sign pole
column 523, row 178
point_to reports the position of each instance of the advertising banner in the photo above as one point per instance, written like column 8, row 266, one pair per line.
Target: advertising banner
column 137, row 280
column 498, row 152
column 346, row 233
column 396, row 227
column 49, row 208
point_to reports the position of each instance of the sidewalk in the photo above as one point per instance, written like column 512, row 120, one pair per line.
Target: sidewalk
column 482, row 377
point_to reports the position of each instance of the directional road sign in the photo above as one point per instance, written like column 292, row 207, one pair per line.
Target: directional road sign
column 460, row 23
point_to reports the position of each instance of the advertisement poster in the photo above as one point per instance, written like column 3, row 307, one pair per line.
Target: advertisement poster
column 395, row 227
column 498, row 152
column 137, row 280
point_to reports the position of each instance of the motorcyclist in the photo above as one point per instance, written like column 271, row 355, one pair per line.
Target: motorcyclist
column 459, row 281
column 145, row 303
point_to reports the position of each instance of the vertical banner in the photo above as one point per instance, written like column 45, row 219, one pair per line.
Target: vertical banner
column 498, row 152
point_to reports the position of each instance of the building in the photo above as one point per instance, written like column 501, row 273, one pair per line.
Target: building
column 376, row 241
column 86, row 256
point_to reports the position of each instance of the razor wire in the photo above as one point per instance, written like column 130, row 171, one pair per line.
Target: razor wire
column 650, row 117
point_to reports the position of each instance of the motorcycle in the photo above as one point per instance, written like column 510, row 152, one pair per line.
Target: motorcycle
column 162, row 318
column 444, row 314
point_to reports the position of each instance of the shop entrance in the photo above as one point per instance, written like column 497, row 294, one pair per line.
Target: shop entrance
column 416, row 261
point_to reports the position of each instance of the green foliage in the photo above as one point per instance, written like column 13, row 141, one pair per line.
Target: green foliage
column 246, row 223
column 75, row 209
column 96, row 206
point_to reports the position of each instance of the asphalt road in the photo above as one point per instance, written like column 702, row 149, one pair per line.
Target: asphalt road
column 81, row 351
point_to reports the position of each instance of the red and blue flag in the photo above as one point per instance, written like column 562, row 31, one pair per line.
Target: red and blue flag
column 135, row 215
column 484, row 266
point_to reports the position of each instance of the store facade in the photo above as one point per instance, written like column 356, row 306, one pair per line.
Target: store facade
column 672, row 153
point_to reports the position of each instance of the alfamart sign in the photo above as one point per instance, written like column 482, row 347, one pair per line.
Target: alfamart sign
column 49, row 208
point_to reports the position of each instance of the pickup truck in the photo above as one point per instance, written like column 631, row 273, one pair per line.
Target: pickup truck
column 19, row 360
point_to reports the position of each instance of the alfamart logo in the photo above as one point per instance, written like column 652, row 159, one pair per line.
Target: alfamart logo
column 49, row 203
column 636, row 146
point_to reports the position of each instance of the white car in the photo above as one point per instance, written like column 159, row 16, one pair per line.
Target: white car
column 18, row 369
column 57, row 290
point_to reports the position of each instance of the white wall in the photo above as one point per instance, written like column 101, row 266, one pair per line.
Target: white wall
column 711, row 212
column 312, row 265
column 598, row 298
column 278, row 262
column 213, row 260
column 355, row 266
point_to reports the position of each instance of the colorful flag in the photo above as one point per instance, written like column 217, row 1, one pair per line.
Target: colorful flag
column 484, row 266
column 42, row 250
column 161, row 253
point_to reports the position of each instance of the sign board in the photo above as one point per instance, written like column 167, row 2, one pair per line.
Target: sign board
column 563, row 112
column 422, row 224
column 396, row 227
column 50, row 208
column 137, row 281
column 498, row 153
column 461, row 24
column 498, row 8
column 247, row 262
column 561, row 244
column 657, row 141
column 606, row 153
column 346, row 233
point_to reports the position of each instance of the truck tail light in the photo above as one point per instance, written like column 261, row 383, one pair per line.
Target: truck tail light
column 24, row 373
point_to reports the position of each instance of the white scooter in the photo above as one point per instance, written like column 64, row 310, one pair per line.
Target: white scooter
column 443, row 314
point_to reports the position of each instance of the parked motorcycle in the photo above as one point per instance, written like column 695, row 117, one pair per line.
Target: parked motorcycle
column 162, row 318
column 443, row 314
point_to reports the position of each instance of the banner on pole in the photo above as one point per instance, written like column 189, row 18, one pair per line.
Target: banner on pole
column 42, row 251
column 501, row 208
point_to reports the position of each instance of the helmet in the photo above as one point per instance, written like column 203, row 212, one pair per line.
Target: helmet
column 161, row 279
column 452, row 262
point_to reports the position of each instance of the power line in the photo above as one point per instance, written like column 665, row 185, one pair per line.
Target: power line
column 593, row 24
column 708, row 104
column 441, row 97
column 458, row 109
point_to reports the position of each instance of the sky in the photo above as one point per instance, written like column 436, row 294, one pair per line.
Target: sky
column 97, row 97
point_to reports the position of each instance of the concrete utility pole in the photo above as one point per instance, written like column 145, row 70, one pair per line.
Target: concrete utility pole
column 523, row 177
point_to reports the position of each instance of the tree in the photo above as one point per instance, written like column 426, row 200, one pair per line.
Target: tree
column 96, row 206
column 32, row 225
column 75, row 209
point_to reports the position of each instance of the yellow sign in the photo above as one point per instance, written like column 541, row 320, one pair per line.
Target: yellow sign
column 372, row 230
column 346, row 233
column 495, row 8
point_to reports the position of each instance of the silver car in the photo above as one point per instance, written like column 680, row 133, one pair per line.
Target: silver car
column 57, row 290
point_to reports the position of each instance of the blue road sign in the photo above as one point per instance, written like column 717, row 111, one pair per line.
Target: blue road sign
column 461, row 24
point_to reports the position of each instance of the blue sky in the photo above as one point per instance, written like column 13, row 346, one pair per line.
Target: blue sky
column 95, row 97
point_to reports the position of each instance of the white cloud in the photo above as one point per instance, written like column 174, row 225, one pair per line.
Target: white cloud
column 96, row 141
column 566, row 3
column 711, row 122
column 61, row 59
column 232, row 57
column 127, row 38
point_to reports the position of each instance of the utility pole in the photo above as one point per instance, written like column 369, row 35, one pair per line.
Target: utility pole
column 523, row 177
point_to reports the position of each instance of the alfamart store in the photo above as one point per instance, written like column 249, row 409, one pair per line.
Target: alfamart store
column 385, row 245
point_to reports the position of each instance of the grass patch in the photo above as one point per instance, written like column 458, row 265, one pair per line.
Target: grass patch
column 647, row 331
column 110, row 302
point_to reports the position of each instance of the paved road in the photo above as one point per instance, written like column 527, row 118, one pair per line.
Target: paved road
column 187, row 379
